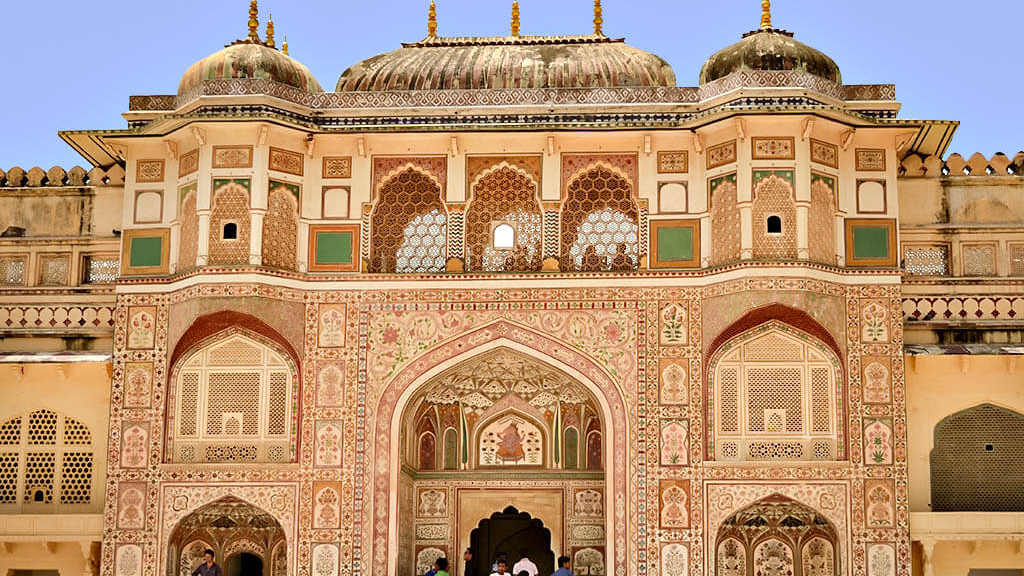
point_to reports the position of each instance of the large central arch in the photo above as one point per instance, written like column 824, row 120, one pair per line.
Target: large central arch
column 403, row 387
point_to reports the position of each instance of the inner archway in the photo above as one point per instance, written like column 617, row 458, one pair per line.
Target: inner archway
column 244, row 564
column 243, row 537
column 502, row 429
column 509, row 532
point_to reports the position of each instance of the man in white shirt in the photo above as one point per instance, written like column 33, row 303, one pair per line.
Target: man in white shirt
column 524, row 564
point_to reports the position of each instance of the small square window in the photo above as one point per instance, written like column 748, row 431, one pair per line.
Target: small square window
column 503, row 236
column 773, row 225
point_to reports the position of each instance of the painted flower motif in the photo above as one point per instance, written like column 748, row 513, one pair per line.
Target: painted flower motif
column 390, row 335
column 613, row 332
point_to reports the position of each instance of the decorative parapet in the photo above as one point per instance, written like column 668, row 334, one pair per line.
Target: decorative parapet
column 914, row 166
column 514, row 97
column 36, row 177
column 946, row 526
column 56, row 318
column 964, row 309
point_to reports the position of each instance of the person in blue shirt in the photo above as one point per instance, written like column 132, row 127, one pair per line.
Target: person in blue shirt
column 563, row 567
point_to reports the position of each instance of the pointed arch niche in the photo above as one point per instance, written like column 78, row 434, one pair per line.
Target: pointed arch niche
column 775, row 394
column 777, row 535
column 232, row 528
column 502, row 400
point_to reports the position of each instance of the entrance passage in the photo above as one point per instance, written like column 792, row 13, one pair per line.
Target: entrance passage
column 510, row 531
column 244, row 564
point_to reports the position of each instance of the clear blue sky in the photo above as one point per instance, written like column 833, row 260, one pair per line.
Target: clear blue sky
column 72, row 65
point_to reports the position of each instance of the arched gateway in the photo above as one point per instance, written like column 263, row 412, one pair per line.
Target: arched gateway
column 501, row 417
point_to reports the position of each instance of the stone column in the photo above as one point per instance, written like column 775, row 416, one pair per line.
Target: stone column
column 803, row 212
column 746, row 230
column 203, row 246
column 256, row 237
column 840, row 234
column 927, row 551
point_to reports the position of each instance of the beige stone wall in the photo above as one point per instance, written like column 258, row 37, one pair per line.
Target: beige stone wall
column 68, row 558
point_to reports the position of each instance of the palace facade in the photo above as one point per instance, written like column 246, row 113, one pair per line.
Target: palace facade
column 514, row 292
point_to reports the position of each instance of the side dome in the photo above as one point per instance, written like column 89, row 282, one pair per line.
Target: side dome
column 769, row 49
column 250, row 59
column 594, row 61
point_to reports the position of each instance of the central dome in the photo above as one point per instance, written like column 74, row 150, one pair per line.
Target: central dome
column 594, row 61
column 250, row 59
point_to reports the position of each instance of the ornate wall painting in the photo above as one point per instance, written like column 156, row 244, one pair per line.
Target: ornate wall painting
column 432, row 532
column 330, row 384
column 876, row 379
column 675, row 503
column 328, row 446
column 675, row 443
column 674, row 324
column 588, row 560
column 285, row 161
column 511, row 441
column 128, row 560
column 337, row 167
column 675, row 560
column 870, row 159
column 773, row 558
column 880, row 503
column 431, row 503
column 325, row 560
column 131, row 505
column 670, row 162
column 818, row 557
column 881, row 560
column 427, row 555
column 232, row 157
column 141, row 327
column 588, row 503
column 326, row 505
column 675, row 382
column 134, row 444
column 732, row 558
column 775, row 148
column 878, row 439
column 151, row 170
column 721, row 154
column 331, row 333
column 874, row 316
column 188, row 163
column 824, row 153
column 138, row 384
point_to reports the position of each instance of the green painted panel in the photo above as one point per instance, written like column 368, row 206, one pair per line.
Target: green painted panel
column 828, row 180
column 146, row 251
column 451, row 449
column 243, row 182
column 870, row 242
column 675, row 243
column 333, row 247
column 185, row 190
column 572, row 449
column 786, row 175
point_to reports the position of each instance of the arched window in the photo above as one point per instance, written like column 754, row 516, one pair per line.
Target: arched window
column 46, row 462
column 775, row 392
column 234, row 402
column 725, row 221
column 409, row 225
column 229, row 224
column 821, row 220
column 775, row 205
column 503, row 222
column 188, row 246
column 599, row 223
column 976, row 464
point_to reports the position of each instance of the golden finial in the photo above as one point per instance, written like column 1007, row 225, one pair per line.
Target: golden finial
column 515, row 18
column 598, row 21
column 270, row 31
column 284, row 47
column 432, row 20
column 254, row 22
column 766, row 15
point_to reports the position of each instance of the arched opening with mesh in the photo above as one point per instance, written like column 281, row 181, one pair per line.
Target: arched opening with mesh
column 599, row 223
column 233, row 529
column 774, row 396
column 230, row 206
column 977, row 464
column 235, row 397
column 46, row 462
column 725, row 221
column 504, row 201
column 281, row 228
column 408, row 226
column 777, row 535
column 188, row 245
column 773, row 198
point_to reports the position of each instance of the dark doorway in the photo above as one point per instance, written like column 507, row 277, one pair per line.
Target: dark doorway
column 244, row 564
column 510, row 531
column 33, row 573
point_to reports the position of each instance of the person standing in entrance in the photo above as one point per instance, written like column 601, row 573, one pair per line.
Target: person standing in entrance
column 442, row 567
column 563, row 567
column 208, row 567
column 470, row 566
column 525, row 564
column 501, row 568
